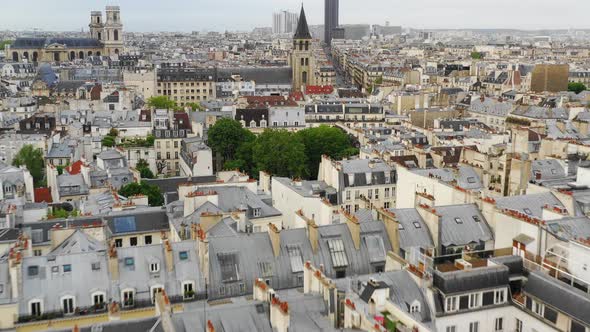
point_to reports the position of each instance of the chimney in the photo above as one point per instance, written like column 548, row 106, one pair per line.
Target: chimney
column 114, row 311
column 208, row 220
column 354, row 227
column 210, row 327
column 15, row 270
column 275, row 239
column 391, row 227
column 279, row 315
column 203, row 251
column 168, row 255
column 312, row 234
column 113, row 262
column 261, row 289
column 76, row 329
column 164, row 310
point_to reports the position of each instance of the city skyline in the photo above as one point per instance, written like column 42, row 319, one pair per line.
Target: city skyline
column 214, row 16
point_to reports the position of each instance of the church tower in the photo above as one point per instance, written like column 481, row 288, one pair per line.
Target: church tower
column 302, row 62
column 113, row 31
column 96, row 25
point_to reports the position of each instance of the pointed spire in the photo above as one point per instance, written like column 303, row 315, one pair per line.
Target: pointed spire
column 302, row 28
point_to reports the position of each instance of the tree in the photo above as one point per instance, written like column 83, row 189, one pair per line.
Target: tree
column 280, row 153
column 476, row 55
column 226, row 136
column 195, row 106
column 576, row 87
column 152, row 192
column 144, row 169
column 108, row 141
column 113, row 132
column 325, row 140
column 32, row 159
column 161, row 102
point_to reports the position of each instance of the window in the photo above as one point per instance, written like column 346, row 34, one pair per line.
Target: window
column 37, row 252
column 528, row 211
column 357, row 194
column 451, row 303
column 67, row 305
column 538, row 308
column 128, row 298
column 474, row 300
column 452, row 328
column 33, row 270
column 348, row 195
column 386, row 192
column 118, row 243
column 129, row 261
column 370, row 193
column 188, row 291
column 499, row 296
column 55, row 269
column 474, row 327
column 519, row 327
column 256, row 212
column 415, row 307
column 228, row 263
column 295, row 258
column 155, row 291
column 98, row 299
column 265, row 269
column 154, row 267
column 386, row 205
column 417, row 224
column 458, row 220
column 133, row 241
column 147, row 239
column 337, row 253
column 35, row 308
column 376, row 193
column 499, row 325
column 476, row 219
column 67, row 268
column 95, row 266
column 183, row 255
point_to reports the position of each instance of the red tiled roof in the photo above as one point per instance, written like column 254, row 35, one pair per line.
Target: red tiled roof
column 319, row 89
column 43, row 195
column 75, row 168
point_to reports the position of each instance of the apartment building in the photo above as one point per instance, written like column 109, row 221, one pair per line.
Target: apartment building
column 186, row 85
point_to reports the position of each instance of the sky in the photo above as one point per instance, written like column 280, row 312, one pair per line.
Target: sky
column 221, row 15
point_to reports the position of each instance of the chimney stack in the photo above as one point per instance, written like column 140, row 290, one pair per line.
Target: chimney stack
column 279, row 315
column 275, row 239
column 168, row 255
column 313, row 235
column 354, row 227
column 113, row 262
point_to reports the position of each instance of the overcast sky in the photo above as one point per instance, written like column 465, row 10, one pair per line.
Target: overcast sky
column 219, row 15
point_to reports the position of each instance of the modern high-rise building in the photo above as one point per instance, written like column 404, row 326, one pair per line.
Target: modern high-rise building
column 284, row 22
column 330, row 19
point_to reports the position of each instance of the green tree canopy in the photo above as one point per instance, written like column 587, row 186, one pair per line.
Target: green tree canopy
column 113, row 132
column 108, row 141
column 32, row 158
column 144, row 169
column 325, row 140
column 280, row 153
column 155, row 198
column 226, row 136
column 476, row 55
column 195, row 106
column 576, row 87
column 161, row 102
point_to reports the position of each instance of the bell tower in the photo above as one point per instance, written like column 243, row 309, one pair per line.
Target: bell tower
column 113, row 31
column 96, row 25
column 302, row 61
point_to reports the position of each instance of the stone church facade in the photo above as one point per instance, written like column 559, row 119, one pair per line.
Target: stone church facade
column 106, row 38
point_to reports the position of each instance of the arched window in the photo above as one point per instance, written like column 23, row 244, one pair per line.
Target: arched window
column 81, row 54
column 15, row 56
column 72, row 55
column 116, row 51
column 68, row 304
column 26, row 55
column 97, row 53
column 304, row 77
column 307, row 45
column 252, row 124
column 89, row 53
column 100, row 36
column 35, row 56
column 56, row 57
column 301, row 45
column 116, row 34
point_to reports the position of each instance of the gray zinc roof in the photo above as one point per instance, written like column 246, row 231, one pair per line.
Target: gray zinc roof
column 462, row 225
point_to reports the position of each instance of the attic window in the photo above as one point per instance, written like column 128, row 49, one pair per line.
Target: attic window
column 476, row 219
column 471, row 179
column 129, row 261
column 95, row 266
column 33, row 270
column 256, row 212
column 228, row 264
column 458, row 220
column 400, row 227
column 553, row 171
column 265, row 269
column 528, row 211
column 337, row 252
column 296, row 258
column 154, row 267
column 417, row 224
column 183, row 255
column 67, row 268
column 415, row 307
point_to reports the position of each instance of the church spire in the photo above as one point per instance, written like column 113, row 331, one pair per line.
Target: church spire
column 302, row 28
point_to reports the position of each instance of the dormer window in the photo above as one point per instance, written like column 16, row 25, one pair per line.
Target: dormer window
column 154, row 267
column 256, row 212
column 415, row 307
column 129, row 261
